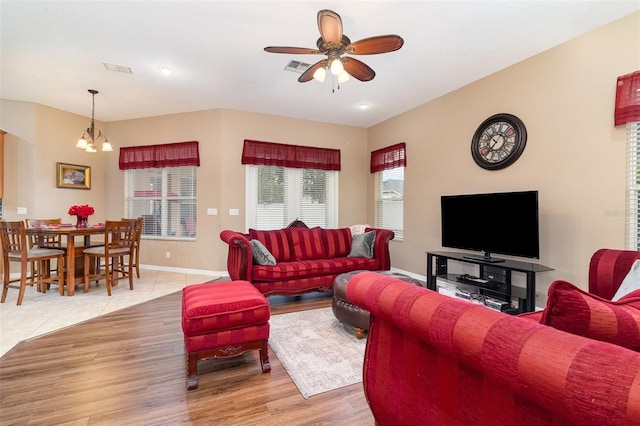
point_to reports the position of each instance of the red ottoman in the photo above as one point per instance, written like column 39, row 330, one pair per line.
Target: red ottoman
column 222, row 320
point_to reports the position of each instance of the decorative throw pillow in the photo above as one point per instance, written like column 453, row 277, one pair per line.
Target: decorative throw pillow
column 276, row 241
column 307, row 244
column 362, row 245
column 260, row 254
column 630, row 283
column 337, row 242
column 575, row 311
column 358, row 229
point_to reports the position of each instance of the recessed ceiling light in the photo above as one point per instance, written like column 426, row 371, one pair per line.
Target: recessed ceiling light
column 166, row 70
column 364, row 105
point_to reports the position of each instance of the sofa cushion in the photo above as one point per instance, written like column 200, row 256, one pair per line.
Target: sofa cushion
column 307, row 243
column 312, row 268
column 575, row 311
column 362, row 245
column 276, row 241
column 260, row 254
column 337, row 242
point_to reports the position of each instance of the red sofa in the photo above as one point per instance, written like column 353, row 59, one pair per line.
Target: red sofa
column 307, row 259
column 435, row 360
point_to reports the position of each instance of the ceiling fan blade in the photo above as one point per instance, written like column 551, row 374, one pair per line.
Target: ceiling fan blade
column 292, row 50
column 330, row 26
column 308, row 74
column 358, row 69
column 374, row 45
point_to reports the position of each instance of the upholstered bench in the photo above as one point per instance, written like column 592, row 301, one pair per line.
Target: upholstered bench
column 350, row 314
column 221, row 320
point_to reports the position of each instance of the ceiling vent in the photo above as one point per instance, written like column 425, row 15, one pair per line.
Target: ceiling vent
column 118, row 68
column 297, row 66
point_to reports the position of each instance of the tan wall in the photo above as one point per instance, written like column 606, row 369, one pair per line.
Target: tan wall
column 574, row 156
column 221, row 177
column 38, row 137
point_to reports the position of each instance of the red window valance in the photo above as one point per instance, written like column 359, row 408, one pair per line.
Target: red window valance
column 295, row 156
column 157, row 156
column 388, row 158
column 627, row 99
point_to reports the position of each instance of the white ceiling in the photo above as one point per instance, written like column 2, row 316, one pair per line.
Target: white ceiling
column 53, row 51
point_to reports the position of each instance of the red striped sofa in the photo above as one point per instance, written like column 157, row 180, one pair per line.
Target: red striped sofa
column 435, row 360
column 307, row 259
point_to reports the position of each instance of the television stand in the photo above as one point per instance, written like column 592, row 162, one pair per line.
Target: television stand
column 491, row 272
column 485, row 258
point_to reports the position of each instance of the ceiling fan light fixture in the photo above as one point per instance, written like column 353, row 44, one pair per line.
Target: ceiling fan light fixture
column 320, row 74
column 336, row 67
column 343, row 77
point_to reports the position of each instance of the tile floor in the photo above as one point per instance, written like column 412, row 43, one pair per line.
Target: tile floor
column 42, row 313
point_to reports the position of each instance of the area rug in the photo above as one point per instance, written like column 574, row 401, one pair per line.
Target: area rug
column 318, row 351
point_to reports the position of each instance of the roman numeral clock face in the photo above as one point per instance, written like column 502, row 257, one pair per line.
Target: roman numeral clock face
column 499, row 141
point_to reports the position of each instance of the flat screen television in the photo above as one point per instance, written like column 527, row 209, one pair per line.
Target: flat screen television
column 504, row 223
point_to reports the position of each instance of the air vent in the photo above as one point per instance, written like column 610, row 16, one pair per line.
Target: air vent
column 297, row 66
column 118, row 68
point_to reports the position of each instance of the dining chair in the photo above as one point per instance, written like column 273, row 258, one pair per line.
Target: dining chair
column 15, row 248
column 135, row 256
column 119, row 240
column 43, row 241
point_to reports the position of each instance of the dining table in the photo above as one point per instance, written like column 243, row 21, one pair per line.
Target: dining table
column 70, row 233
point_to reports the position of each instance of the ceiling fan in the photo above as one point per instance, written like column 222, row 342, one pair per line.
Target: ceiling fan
column 334, row 44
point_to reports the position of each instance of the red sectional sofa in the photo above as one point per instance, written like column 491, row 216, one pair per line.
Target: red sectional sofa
column 435, row 360
column 307, row 259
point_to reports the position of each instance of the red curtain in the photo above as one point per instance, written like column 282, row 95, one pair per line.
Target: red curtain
column 388, row 158
column 295, row 156
column 628, row 99
column 157, row 156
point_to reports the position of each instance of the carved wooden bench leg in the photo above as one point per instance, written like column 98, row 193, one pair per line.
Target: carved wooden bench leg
column 192, row 371
column 264, row 357
column 359, row 332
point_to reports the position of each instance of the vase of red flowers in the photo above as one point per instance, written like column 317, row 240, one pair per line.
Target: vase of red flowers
column 82, row 213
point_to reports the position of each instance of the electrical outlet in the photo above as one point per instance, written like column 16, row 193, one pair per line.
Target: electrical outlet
column 167, row 254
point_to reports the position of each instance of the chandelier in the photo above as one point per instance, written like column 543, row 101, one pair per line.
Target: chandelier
column 89, row 138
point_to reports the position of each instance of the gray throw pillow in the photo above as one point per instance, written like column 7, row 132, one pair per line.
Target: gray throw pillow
column 362, row 245
column 260, row 254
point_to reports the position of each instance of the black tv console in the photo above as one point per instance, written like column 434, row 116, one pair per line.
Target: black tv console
column 493, row 280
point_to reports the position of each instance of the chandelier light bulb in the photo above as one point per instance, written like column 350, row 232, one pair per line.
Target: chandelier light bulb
column 320, row 74
column 90, row 148
column 106, row 146
column 336, row 67
column 82, row 143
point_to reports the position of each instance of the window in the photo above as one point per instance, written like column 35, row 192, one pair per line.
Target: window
column 388, row 164
column 278, row 195
column 160, row 184
column 165, row 198
column 389, row 200
column 633, row 203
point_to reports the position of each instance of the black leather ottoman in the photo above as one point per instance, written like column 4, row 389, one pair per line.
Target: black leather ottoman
column 348, row 313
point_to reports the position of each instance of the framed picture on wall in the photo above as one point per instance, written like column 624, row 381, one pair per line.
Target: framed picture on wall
column 73, row 176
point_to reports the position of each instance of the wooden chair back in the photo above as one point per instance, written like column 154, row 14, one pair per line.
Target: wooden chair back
column 45, row 240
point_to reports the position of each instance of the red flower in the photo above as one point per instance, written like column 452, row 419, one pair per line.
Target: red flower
column 83, row 211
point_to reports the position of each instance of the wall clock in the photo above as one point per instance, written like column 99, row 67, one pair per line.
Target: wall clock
column 499, row 141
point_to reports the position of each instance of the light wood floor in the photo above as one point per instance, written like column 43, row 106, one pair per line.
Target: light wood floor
column 128, row 367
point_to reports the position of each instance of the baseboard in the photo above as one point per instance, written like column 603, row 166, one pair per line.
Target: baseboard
column 418, row 277
column 185, row 270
